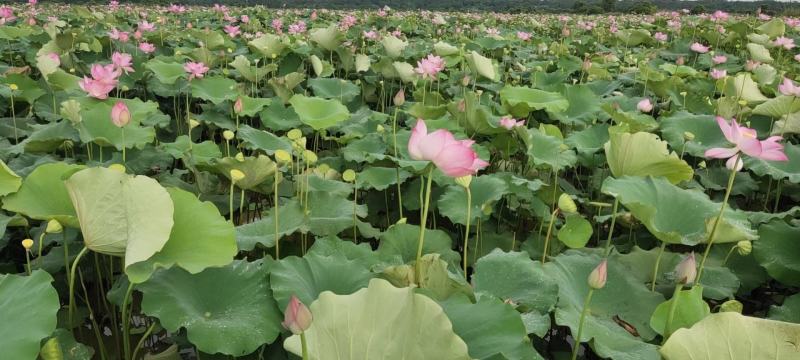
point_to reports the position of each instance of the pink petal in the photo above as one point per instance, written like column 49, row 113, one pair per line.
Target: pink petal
column 725, row 127
column 729, row 164
column 750, row 146
column 721, row 153
column 417, row 134
column 431, row 145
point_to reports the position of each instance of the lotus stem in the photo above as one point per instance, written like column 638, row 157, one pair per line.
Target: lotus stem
column 140, row 344
column 304, row 345
column 41, row 245
column 277, row 233
column 28, row 261
column 230, row 203
column 126, row 341
column 585, row 310
column 466, row 232
column 423, row 223
column 611, row 228
column 671, row 314
column 123, row 144
column 658, row 263
column 71, row 309
column 66, row 253
column 549, row 233
column 241, row 206
column 710, row 241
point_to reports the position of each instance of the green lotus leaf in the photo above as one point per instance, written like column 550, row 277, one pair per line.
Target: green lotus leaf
column 691, row 308
column 393, row 46
column 675, row 215
column 363, row 62
column 380, row 321
column 43, row 196
column 319, row 113
column 66, row 347
column 256, row 139
column 343, row 90
column 481, row 65
column 96, row 125
column 704, row 128
column 742, row 87
column 442, row 48
column 121, row 214
column 548, row 150
column 778, row 107
column 290, row 219
column 252, row 106
column 200, row 238
column 777, row 250
column 166, row 72
column 486, row 191
column 268, row 45
column 380, row 178
column 226, row 310
column 9, row 181
column 328, row 38
column 215, row 89
column 623, row 297
column 732, row 336
column 256, row 169
column 575, row 232
column 643, row 154
column 308, row 276
column 404, row 71
column 773, row 28
column 520, row 101
column 789, row 311
column 401, row 240
column 193, row 153
column 28, row 307
column 778, row 170
column 28, row 90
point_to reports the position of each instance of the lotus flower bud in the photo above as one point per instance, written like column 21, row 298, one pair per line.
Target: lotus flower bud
column 465, row 80
column 120, row 115
column 597, row 278
column 27, row 244
column 239, row 157
column 283, row 156
column 566, row 204
column 688, row 136
column 193, row 124
column 296, row 318
column 464, row 181
column 238, row 106
column 236, row 175
column 687, row 270
column 349, row 175
column 53, row 227
column 294, row 134
column 228, row 135
column 400, row 98
column 744, row 247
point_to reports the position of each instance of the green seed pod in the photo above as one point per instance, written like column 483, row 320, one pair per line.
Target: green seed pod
column 744, row 247
column 731, row 306
column 566, row 204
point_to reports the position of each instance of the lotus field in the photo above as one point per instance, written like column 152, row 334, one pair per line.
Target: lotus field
column 220, row 182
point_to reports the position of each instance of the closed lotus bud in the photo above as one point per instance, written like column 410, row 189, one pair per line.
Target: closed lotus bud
column 688, row 136
column 465, row 80
column 236, row 175
column 400, row 98
column 744, row 247
column 27, row 244
column 566, row 204
column 731, row 306
column 238, row 106
column 193, row 124
column 228, row 135
column 687, row 270
column 283, row 156
column 54, row 227
column 294, row 134
column 349, row 175
column 120, row 115
column 239, row 157
column 296, row 318
column 464, row 181
column 597, row 278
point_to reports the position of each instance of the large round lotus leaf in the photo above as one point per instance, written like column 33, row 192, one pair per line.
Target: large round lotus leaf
column 393, row 46
column 778, row 170
column 262, row 140
column 215, row 89
column 380, row 178
column 547, row 149
column 520, row 101
column 789, row 311
column 43, row 196
column 777, row 107
column 486, row 191
column 778, row 251
column 675, row 215
column 328, row 38
column 333, row 88
column 379, row 322
column 704, row 128
column 96, row 125
column 401, row 240
column 583, row 106
column 226, row 310
column 490, row 328
column 166, row 72
column 514, row 276
column 9, row 181
column 759, row 53
column 121, row 214
column 256, row 169
column 268, row 45
column 290, row 218
column 643, row 154
column 732, row 336
column 690, row 309
column 200, row 238
column 481, row 65
column 310, row 275
column 28, row 307
column 623, row 298
column 317, row 112
column 743, row 87
column 576, row 231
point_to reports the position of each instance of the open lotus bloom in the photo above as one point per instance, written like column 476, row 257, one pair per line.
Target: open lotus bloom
column 746, row 141
column 455, row 158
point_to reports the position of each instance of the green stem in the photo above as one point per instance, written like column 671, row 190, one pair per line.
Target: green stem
column 66, row 253
column 718, row 219
column 728, row 256
column 241, row 206
column 277, row 234
column 304, row 345
column 123, row 146
column 549, row 232
column 41, row 245
column 126, row 341
column 672, row 307
column 230, row 203
column 613, row 223
column 144, row 337
column 71, row 309
column 466, row 232
column 355, row 207
column 28, row 261
column 585, row 310
column 658, row 263
column 423, row 223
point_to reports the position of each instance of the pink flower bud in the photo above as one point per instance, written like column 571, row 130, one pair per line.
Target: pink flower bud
column 400, row 98
column 120, row 115
column 597, row 279
column 297, row 318
column 238, row 106
column 687, row 270
column 645, row 106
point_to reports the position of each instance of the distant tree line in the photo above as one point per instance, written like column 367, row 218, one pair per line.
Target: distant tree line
column 508, row 6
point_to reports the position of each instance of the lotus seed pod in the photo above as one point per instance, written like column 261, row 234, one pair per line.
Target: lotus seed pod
column 236, row 175
column 731, row 306
column 688, row 135
column 380, row 129
column 117, row 167
column 687, row 270
column 27, row 244
column 349, row 175
column 53, row 227
column 310, row 156
column 228, row 135
column 283, row 156
column 742, row 102
column 464, row 181
column 597, row 278
column 13, row 87
column 294, row 134
column 566, row 204
column 744, row 247
column 193, row 123
column 239, row 157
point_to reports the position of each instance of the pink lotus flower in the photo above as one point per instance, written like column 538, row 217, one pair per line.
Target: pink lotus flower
column 751, row 65
column 54, row 56
column 296, row 318
column 786, row 43
column 797, row 57
column 297, row 28
column 195, row 69
column 347, row 22
column 660, row 37
column 232, row 30
column 95, row 89
column 121, row 36
column 746, row 141
column 6, row 14
column 788, row 88
column 120, row 115
column 645, row 105
column 32, row 2
column 430, row 66
column 699, row 48
column 717, row 74
column 719, row 59
column 509, row 123
column 455, row 158
column 244, row 19
column 122, row 62
column 372, row 34
column 145, row 26
column 524, row 36
column 147, row 48
column 277, row 25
